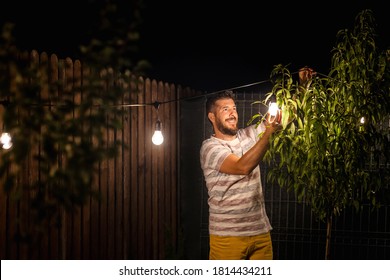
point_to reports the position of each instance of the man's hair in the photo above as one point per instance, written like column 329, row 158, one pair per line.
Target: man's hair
column 227, row 94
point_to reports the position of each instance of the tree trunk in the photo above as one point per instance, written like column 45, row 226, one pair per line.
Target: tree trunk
column 328, row 235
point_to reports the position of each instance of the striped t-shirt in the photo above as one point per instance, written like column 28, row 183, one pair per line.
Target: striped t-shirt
column 236, row 202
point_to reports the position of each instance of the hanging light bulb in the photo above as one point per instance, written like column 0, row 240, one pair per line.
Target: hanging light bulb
column 158, row 137
column 6, row 140
column 273, row 109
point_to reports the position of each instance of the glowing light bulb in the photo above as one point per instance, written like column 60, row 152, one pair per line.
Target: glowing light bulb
column 273, row 109
column 158, row 137
column 6, row 140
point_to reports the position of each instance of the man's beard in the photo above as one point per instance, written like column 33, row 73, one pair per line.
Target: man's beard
column 226, row 130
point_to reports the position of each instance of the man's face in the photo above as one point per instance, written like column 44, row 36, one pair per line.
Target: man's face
column 226, row 116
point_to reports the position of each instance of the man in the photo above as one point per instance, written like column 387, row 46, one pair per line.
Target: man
column 238, row 224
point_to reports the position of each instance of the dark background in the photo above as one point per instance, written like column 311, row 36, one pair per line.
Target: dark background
column 214, row 45
column 206, row 45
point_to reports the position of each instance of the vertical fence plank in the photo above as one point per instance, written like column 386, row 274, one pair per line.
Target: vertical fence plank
column 119, row 172
column 171, row 195
column 150, row 96
column 19, row 221
column 112, row 188
column 31, row 175
column 126, row 169
column 85, row 213
column 157, row 177
column 163, row 169
column 135, row 171
column 94, row 239
column 81, row 218
column 142, row 167
column 64, row 234
column 46, row 65
column 55, row 237
column 118, row 180
column 74, row 218
column 104, row 191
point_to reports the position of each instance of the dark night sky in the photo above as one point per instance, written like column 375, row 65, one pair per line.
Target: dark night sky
column 208, row 45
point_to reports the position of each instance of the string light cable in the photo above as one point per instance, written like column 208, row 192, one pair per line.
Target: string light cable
column 157, row 138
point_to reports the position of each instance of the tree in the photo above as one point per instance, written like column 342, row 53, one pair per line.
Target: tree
column 334, row 149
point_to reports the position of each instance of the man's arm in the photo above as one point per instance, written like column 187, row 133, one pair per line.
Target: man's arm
column 244, row 165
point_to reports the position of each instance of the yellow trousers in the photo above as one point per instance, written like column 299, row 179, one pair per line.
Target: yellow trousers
column 258, row 247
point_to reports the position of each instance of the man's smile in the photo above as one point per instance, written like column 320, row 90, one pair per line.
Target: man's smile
column 231, row 120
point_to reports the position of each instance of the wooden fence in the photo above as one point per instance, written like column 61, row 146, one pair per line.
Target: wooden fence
column 138, row 216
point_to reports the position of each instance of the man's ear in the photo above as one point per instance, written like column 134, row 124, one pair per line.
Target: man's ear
column 211, row 117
